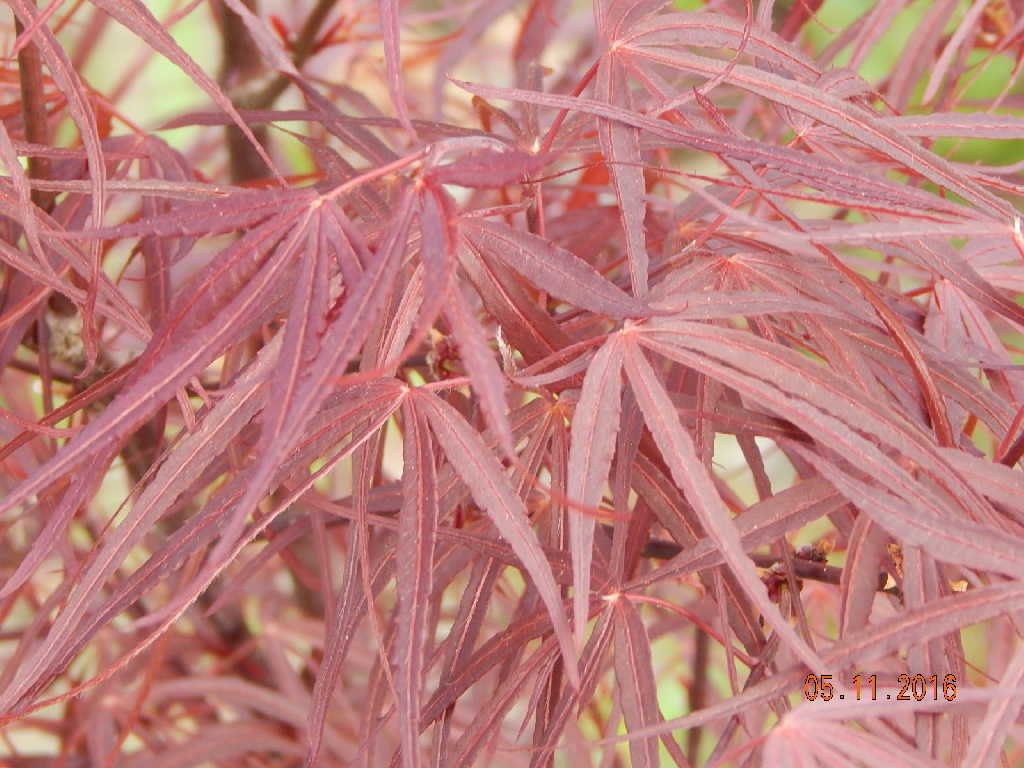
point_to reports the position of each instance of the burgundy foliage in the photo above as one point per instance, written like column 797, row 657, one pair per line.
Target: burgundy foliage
column 510, row 383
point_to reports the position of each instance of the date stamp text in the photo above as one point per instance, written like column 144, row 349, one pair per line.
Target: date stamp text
column 865, row 688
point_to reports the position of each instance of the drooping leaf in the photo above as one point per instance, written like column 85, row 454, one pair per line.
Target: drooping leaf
column 416, row 524
column 595, row 426
column 175, row 475
column 955, row 541
column 805, row 394
column 527, row 327
column 154, row 382
column 389, row 11
column 866, row 645
column 621, row 146
column 816, row 170
column 340, row 342
column 716, row 30
column 489, row 169
column 378, row 400
column 234, row 213
column 846, row 117
column 490, row 487
column 559, row 271
column 488, row 380
column 639, row 690
column 690, row 474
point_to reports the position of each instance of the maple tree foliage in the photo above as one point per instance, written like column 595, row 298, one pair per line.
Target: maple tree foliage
column 513, row 383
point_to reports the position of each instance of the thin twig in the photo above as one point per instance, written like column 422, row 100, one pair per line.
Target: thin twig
column 302, row 49
column 242, row 59
column 811, row 570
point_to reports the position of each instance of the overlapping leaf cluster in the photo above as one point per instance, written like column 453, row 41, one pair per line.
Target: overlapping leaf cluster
column 413, row 459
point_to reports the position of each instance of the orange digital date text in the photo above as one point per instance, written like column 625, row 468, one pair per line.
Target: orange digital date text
column 865, row 688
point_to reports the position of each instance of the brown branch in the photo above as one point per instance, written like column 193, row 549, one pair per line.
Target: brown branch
column 242, row 60
column 659, row 549
column 698, row 691
column 33, row 110
column 302, row 49
column 811, row 570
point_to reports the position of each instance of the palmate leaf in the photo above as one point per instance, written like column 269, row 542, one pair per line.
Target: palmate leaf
column 207, row 314
column 460, row 642
column 953, row 381
column 234, row 213
column 348, row 610
column 489, row 486
column 302, row 336
column 591, row 664
column 175, row 475
column 800, row 397
column 817, row 171
column 482, row 729
column 458, row 646
column 437, row 249
column 489, row 169
column 844, row 116
column 613, row 17
column 797, row 738
column 340, row 341
column 690, row 474
column 954, row 541
column 371, row 407
column 524, row 420
column 378, row 400
column 303, row 330
column 759, row 526
column 527, row 327
column 438, row 242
